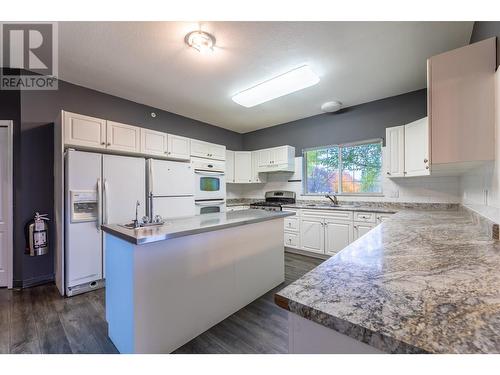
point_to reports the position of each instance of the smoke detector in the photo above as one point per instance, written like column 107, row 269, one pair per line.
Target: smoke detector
column 201, row 41
column 332, row 106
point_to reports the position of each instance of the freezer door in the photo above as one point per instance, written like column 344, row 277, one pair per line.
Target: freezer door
column 170, row 178
column 124, row 183
column 172, row 207
column 83, row 248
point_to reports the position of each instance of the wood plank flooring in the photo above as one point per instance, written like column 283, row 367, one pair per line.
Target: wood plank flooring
column 39, row 320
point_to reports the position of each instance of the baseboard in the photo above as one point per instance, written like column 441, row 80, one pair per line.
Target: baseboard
column 306, row 253
column 34, row 281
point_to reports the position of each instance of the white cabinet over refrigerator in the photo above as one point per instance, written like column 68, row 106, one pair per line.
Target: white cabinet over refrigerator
column 95, row 194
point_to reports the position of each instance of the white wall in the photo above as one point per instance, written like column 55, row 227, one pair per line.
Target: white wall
column 479, row 188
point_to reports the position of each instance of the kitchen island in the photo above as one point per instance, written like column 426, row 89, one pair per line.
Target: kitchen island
column 166, row 285
column 421, row 282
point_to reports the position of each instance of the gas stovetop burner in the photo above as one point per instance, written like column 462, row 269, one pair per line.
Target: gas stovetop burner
column 274, row 200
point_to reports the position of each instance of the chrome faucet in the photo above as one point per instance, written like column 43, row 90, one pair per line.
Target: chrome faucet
column 334, row 200
column 136, row 221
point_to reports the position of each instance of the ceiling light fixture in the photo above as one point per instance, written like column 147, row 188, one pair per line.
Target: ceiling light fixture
column 294, row 80
column 200, row 41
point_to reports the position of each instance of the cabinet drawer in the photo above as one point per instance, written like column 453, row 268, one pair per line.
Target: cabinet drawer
column 292, row 239
column 382, row 217
column 291, row 224
column 329, row 214
column 367, row 217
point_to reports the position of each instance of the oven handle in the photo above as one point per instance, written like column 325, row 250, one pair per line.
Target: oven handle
column 210, row 203
column 208, row 173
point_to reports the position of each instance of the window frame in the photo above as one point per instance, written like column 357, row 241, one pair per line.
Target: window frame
column 340, row 146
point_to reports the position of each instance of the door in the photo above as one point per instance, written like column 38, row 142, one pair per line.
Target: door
column 178, row 147
column 210, row 207
column 229, row 166
column 243, row 166
column 209, row 185
column 264, row 157
column 417, row 148
column 256, row 176
column 361, row 229
column 83, row 240
column 337, row 236
column 279, row 155
column 217, row 152
column 122, row 137
column 86, row 131
column 153, row 142
column 6, row 204
column 200, row 149
column 312, row 234
column 395, row 143
column 170, row 178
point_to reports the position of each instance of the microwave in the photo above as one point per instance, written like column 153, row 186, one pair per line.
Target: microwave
column 209, row 179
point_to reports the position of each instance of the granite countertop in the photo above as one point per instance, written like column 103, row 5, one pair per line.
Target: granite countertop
column 174, row 228
column 421, row 282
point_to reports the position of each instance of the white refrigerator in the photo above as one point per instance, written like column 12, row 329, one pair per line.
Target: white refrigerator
column 99, row 189
column 170, row 188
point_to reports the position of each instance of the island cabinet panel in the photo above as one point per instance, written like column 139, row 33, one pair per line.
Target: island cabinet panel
column 173, row 290
column 461, row 103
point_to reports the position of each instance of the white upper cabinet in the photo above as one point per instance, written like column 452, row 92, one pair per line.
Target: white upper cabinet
column 178, row 147
column 229, row 166
column 207, row 150
column 277, row 159
column 416, row 148
column 242, row 166
column 85, row 131
column 122, row 137
column 153, row 142
column 395, row 151
column 256, row 176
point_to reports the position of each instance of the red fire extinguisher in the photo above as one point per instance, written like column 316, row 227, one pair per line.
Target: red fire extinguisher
column 37, row 235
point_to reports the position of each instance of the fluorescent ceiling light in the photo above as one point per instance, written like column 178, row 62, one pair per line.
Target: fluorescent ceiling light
column 294, row 80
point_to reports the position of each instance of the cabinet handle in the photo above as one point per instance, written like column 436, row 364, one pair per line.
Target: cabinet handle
column 426, row 167
column 103, row 143
column 166, row 152
column 389, row 173
column 355, row 227
column 425, row 160
column 109, row 144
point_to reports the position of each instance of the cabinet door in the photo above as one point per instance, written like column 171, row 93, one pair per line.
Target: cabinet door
column 229, row 166
column 178, row 147
column 218, row 152
column 264, row 158
column 256, row 176
column 84, row 131
column 153, row 142
column 417, row 148
column 122, row 137
column 395, row 152
column 338, row 235
column 279, row 155
column 382, row 217
column 242, row 167
column 312, row 234
column 200, row 149
column 361, row 229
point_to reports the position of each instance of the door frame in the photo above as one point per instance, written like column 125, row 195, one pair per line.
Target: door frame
column 10, row 198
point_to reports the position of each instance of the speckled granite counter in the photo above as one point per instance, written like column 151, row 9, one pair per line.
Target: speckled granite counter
column 192, row 225
column 354, row 207
column 421, row 282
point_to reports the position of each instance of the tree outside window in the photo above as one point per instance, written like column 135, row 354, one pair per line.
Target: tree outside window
column 348, row 169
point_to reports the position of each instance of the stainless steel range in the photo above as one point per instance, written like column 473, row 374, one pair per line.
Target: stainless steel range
column 274, row 200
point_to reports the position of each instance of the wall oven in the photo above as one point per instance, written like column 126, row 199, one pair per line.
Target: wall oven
column 210, row 182
column 210, row 206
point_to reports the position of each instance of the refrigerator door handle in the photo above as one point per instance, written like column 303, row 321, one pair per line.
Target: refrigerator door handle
column 105, row 201
column 99, row 204
column 151, row 177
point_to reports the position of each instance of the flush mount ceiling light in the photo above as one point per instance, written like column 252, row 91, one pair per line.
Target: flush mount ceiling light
column 331, row 106
column 200, row 41
column 294, row 80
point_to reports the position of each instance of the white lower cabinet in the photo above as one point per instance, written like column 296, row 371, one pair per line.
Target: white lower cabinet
column 338, row 235
column 360, row 229
column 328, row 232
column 312, row 237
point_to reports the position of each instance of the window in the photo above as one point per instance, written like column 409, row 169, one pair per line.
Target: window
column 344, row 169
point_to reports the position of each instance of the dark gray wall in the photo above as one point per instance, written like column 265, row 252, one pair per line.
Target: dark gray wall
column 352, row 124
column 484, row 30
column 34, row 113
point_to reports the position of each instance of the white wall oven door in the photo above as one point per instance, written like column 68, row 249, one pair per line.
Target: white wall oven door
column 209, row 185
column 210, row 206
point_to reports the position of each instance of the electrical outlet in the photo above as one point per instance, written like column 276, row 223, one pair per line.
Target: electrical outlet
column 394, row 194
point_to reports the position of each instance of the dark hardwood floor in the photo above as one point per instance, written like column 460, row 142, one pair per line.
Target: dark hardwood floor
column 39, row 320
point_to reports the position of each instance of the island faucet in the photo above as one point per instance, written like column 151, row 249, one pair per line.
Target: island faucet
column 334, row 200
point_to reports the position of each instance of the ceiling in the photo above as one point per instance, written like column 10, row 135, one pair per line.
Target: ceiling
column 148, row 62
